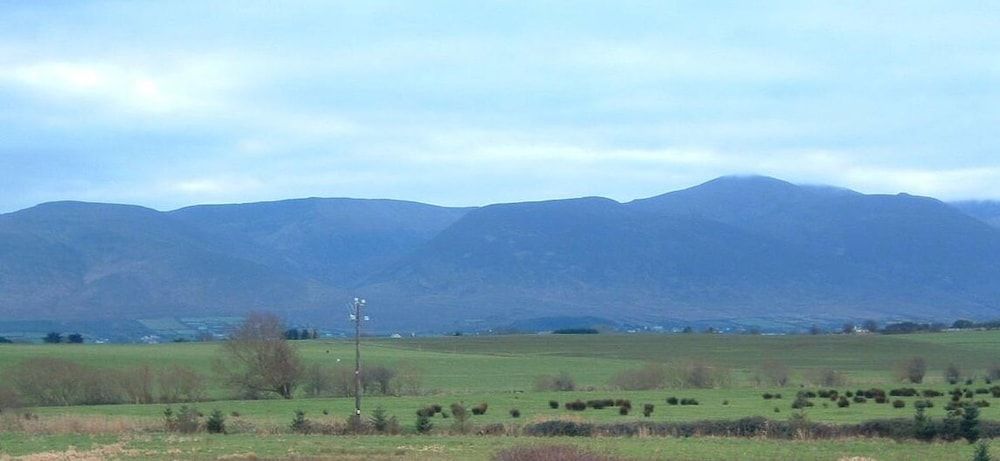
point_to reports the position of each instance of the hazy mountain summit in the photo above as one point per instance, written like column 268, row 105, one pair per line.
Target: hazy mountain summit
column 732, row 248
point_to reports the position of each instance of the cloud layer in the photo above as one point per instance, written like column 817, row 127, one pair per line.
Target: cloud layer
column 462, row 103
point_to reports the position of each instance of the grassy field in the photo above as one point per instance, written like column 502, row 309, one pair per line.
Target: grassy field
column 459, row 448
column 501, row 370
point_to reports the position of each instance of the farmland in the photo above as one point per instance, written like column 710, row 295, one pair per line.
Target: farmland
column 502, row 371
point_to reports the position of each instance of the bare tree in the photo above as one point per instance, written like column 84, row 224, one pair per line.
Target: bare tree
column 258, row 359
column 179, row 383
column 773, row 372
column 912, row 370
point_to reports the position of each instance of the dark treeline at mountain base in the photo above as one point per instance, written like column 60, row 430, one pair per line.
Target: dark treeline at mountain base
column 733, row 248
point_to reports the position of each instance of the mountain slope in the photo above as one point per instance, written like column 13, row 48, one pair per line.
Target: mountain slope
column 336, row 241
column 986, row 210
column 733, row 248
column 903, row 238
column 83, row 260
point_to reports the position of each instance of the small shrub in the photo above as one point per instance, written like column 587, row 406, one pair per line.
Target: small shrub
column 982, row 452
column 423, row 424
column 515, row 413
column 672, row 401
column 623, row 410
column 689, row 402
column 383, row 423
column 647, row 409
column 576, row 405
column 923, row 429
column 801, row 402
column 768, row 396
column 560, row 382
column 930, row 393
column 898, row 404
column 216, row 423
column 480, row 409
column 969, row 426
column 553, row 404
column 461, row 424
column 843, row 402
column 184, row 421
column 300, row 425
column 559, row 428
column 903, row 392
column 600, row 403
column 859, row 399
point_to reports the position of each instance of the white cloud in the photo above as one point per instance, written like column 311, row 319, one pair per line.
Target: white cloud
column 169, row 87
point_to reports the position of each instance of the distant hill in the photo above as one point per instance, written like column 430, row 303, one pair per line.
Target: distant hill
column 988, row 211
column 733, row 248
column 336, row 241
column 71, row 260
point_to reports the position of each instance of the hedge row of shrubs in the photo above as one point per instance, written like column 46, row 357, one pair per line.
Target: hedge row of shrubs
column 763, row 428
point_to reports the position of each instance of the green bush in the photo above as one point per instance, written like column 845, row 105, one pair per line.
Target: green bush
column 982, row 452
column 216, row 423
column 184, row 421
column 300, row 424
column 423, row 424
column 576, row 405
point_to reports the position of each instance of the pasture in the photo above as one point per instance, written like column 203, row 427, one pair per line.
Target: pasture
column 502, row 371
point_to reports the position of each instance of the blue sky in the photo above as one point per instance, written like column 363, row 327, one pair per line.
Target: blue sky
column 167, row 104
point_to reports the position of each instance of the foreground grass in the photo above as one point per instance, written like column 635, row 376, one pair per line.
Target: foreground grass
column 501, row 371
column 471, row 448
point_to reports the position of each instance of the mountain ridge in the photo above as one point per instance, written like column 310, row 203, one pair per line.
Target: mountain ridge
column 734, row 247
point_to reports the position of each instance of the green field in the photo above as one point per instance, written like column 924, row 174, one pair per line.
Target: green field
column 501, row 371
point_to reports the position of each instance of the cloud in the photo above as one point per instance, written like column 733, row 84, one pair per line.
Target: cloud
column 117, row 87
column 175, row 103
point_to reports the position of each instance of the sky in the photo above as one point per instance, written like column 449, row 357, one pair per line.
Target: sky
column 168, row 104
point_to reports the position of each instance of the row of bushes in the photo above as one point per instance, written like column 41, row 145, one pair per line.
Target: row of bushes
column 759, row 427
column 881, row 396
column 53, row 381
column 324, row 381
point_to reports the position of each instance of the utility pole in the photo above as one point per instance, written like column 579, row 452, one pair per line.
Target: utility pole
column 357, row 316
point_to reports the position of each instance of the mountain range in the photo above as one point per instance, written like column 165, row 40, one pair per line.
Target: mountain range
column 735, row 249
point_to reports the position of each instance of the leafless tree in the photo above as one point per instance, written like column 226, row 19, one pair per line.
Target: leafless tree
column 257, row 359
column 912, row 370
column 773, row 373
column 179, row 383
